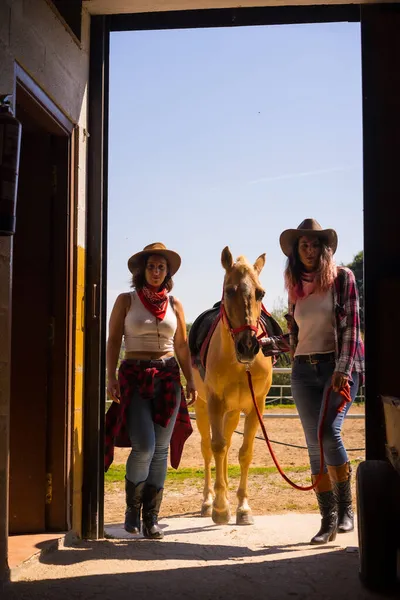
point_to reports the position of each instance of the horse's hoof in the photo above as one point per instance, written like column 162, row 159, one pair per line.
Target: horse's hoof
column 221, row 517
column 244, row 518
column 206, row 510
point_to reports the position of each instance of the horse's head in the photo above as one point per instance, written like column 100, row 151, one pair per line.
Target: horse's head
column 242, row 299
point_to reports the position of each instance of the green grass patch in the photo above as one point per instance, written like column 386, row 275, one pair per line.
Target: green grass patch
column 293, row 405
column 117, row 472
column 280, row 406
column 292, row 506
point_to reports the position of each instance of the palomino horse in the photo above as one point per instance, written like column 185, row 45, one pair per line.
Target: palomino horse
column 224, row 393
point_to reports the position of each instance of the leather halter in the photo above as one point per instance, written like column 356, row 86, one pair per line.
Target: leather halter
column 234, row 330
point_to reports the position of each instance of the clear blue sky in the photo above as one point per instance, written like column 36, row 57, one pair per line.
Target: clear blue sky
column 227, row 137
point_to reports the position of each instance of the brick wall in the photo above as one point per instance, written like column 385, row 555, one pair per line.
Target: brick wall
column 33, row 36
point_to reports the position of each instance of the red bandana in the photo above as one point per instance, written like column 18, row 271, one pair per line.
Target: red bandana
column 155, row 302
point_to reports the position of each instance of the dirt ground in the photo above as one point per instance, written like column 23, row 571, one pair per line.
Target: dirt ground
column 271, row 560
column 268, row 492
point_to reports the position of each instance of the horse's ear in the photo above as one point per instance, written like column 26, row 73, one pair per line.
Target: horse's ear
column 226, row 259
column 259, row 264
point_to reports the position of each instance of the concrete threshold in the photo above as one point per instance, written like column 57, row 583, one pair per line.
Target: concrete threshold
column 25, row 549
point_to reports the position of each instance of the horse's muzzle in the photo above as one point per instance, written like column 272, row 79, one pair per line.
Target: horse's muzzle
column 247, row 346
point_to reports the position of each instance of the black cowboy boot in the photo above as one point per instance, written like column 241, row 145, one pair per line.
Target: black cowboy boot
column 341, row 480
column 151, row 507
column 328, row 510
column 134, row 494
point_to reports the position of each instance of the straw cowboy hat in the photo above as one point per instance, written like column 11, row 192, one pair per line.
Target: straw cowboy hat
column 309, row 227
column 173, row 258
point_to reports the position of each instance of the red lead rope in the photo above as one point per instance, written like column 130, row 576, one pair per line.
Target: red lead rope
column 346, row 398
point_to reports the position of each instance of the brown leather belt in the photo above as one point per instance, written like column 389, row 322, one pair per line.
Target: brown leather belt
column 314, row 359
column 153, row 362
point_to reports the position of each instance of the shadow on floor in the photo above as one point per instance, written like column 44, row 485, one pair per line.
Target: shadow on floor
column 141, row 549
column 328, row 575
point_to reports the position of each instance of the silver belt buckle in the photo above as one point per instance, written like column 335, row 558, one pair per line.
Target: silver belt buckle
column 313, row 361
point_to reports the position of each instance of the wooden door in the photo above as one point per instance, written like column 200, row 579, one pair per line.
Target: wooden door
column 31, row 332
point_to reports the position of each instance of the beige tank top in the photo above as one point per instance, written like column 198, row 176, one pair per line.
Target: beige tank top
column 143, row 332
column 315, row 318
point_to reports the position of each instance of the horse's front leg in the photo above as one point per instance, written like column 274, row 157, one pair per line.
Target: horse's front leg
column 203, row 425
column 220, row 512
column 243, row 513
column 231, row 421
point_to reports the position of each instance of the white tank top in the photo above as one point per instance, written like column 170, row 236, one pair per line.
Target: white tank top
column 143, row 332
column 315, row 319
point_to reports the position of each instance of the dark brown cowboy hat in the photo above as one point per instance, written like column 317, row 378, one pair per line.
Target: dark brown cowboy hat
column 309, row 227
column 173, row 258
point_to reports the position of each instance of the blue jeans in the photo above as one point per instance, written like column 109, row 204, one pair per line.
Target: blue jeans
column 150, row 442
column 309, row 387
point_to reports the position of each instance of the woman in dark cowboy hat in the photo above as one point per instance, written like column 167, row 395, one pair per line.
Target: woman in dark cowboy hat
column 327, row 350
column 149, row 411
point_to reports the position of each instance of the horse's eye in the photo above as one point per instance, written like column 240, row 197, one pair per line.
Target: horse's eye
column 230, row 292
column 259, row 295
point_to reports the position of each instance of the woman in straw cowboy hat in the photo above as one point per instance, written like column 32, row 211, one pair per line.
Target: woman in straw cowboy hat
column 149, row 412
column 327, row 350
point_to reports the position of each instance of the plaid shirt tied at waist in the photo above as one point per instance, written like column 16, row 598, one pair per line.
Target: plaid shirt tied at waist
column 134, row 375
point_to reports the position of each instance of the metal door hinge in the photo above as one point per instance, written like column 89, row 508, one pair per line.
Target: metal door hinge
column 49, row 488
column 95, row 302
column 52, row 327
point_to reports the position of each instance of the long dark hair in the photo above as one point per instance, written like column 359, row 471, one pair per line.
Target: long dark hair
column 139, row 277
column 325, row 272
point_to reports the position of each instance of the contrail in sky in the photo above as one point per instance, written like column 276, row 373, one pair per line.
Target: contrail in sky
column 299, row 174
column 284, row 176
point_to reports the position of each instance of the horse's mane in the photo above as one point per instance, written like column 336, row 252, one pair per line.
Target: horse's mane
column 244, row 267
column 242, row 260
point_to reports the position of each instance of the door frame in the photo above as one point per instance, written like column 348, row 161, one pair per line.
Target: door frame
column 102, row 26
column 49, row 113
column 96, row 283
column 59, row 430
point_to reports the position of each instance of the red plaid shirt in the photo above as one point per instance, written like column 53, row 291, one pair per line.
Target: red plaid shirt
column 348, row 341
column 132, row 376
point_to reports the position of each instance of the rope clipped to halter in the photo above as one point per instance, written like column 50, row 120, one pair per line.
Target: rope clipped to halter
column 346, row 398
